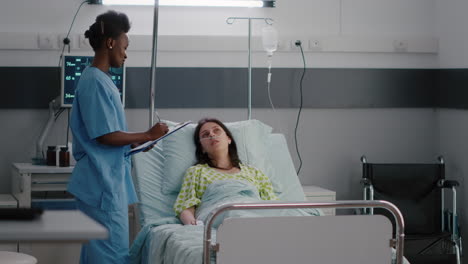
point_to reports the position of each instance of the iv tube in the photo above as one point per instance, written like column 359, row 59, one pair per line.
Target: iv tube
column 269, row 82
column 270, row 44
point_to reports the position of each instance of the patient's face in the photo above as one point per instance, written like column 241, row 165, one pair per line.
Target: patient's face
column 213, row 138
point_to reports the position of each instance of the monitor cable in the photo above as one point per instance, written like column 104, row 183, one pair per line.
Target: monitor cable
column 68, row 126
column 66, row 40
column 299, row 44
column 66, row 43
column 58, row 113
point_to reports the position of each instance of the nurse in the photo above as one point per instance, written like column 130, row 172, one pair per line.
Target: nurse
column 101, row 181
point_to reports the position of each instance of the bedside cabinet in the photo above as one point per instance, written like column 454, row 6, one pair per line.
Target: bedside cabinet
column 318, row 194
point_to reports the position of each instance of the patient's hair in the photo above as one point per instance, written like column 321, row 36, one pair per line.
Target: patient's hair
column 202, row 158
column 108, row 25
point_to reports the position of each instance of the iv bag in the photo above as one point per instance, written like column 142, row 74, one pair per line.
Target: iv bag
column 270, row 39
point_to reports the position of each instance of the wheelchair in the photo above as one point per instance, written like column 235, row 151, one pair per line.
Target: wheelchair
column 432, row 232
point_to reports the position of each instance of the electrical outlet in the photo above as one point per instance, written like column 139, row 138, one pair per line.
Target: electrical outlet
column 297, row 43
column 84, row 42
column 72, row 43
column 47, row 41
column 400, row 45
column 315, row 45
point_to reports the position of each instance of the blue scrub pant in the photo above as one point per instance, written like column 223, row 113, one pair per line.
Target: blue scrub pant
column 113, row 250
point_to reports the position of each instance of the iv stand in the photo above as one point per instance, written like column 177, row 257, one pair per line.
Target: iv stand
column 230, row 21
column 153, row 63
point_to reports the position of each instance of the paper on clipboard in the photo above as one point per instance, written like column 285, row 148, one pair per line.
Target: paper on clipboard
column 151, row 143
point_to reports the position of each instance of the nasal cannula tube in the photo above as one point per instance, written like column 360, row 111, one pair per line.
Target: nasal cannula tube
column 213, row 137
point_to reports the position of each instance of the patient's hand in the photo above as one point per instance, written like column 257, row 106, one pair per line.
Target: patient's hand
column 187, row 216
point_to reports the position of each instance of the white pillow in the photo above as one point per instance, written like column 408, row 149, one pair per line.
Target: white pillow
column 282, row 171
column 179, row 150
column 148, row 175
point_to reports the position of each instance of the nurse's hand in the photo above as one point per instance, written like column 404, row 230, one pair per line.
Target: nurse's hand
column 157, row 131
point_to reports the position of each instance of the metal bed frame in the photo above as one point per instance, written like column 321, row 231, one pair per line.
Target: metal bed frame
column 397, row 241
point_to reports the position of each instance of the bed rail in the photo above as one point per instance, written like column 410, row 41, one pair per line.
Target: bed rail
column 353, row 204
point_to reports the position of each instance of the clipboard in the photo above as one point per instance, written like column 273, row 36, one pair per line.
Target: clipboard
column 153, row 142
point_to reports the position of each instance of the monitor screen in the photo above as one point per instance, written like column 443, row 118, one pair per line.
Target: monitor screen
column 71, row 71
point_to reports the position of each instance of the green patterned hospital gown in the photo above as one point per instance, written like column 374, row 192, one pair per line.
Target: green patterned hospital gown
column 198, row 177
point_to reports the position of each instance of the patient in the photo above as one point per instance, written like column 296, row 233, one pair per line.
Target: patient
column 217, row 159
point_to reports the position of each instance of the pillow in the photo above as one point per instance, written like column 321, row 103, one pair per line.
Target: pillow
column 148, row 175
column 282, row 171
column 179, row 150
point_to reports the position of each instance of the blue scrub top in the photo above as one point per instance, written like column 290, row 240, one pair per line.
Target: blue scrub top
column 101, row 177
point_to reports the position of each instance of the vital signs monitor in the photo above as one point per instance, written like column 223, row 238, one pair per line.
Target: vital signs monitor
column 72, row 67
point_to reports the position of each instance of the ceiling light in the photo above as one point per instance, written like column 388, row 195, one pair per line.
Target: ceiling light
column 215, row 3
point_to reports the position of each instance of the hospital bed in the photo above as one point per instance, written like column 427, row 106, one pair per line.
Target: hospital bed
column 276, row 239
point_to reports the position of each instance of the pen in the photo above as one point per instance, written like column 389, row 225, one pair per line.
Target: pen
column 157, row 115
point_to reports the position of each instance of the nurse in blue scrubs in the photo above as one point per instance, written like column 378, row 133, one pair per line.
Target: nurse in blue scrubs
column 101, row 180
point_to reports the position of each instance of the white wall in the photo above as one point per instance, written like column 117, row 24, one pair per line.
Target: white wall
column 310, row 16
column 453, row 33
column 361, row 24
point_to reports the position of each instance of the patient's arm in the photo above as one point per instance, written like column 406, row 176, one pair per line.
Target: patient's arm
column 187, row 216
column 188, row 198
column 265, row 188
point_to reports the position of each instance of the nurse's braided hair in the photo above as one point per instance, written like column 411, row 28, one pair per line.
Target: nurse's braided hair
column 202, row 158
column 108, row 25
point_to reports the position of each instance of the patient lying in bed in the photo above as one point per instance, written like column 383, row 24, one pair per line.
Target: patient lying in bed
column 217, row 160
column 215, row 180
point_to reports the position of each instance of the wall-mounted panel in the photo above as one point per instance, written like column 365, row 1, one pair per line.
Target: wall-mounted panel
column 453, row 88
column 34, row 87
column 28, row 87
column 310, row 43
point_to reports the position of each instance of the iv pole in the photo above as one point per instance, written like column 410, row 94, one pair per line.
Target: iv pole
column 230, row 21
column 153, row 62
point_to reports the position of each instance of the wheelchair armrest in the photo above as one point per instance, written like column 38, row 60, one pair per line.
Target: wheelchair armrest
column 366, row 182
column 448, row 184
